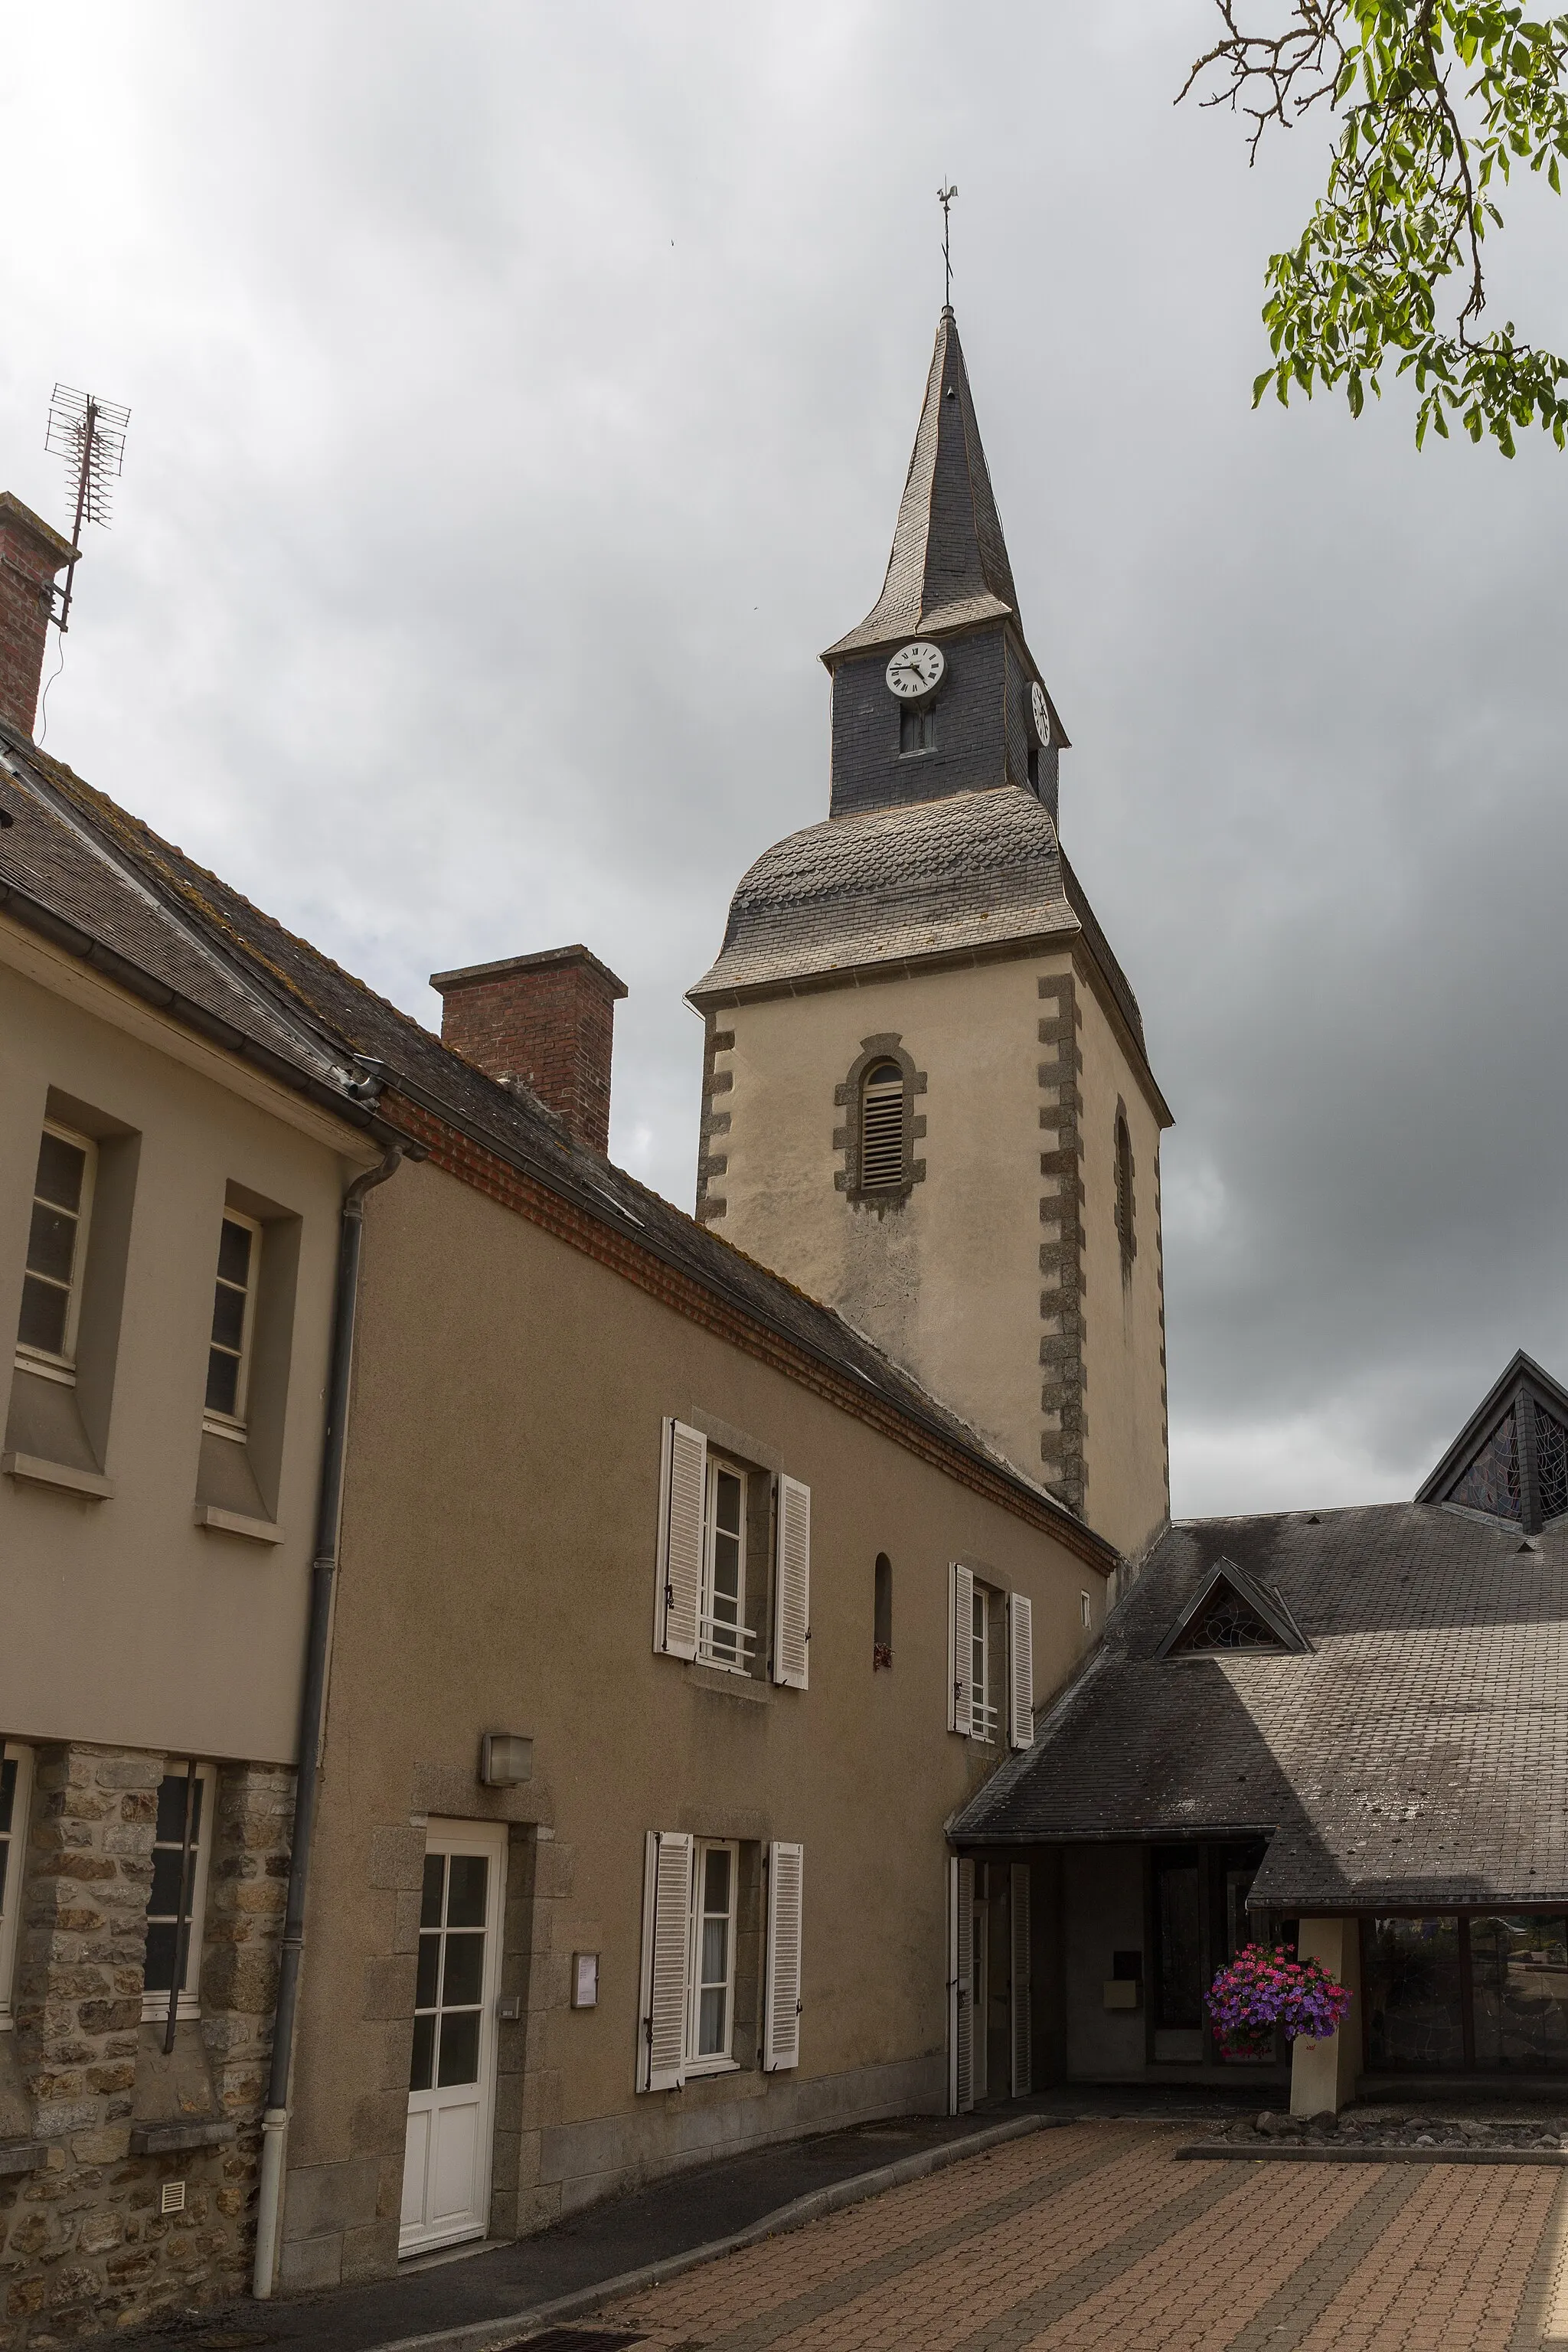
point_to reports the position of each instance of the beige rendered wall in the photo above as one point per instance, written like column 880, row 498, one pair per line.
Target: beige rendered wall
column 497, row 1574
column 981, row 1281
column 127, row 1624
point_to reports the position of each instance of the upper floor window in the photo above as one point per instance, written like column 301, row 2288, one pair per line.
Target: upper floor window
column 882, row 1613
column 56, row 1252
column 1124, row 1230
column 234, row 1314
column 882, row 1126
column 724, row 1639
column 916, row 730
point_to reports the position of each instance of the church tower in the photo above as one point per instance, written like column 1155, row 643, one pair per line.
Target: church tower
column 927, row 1099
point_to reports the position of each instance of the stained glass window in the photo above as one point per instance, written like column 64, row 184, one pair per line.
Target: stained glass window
column 1225, row 1621
column 1551, row 1463
column 1490, row 1484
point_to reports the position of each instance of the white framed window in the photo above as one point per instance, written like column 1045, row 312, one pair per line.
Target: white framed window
column 234, row 1316
column 711, row 2023
column 57, row 1252
column 178, row 1899
column 724, row 1639
column 1085, row 1612
column 16, row 1799
column 983, row 1709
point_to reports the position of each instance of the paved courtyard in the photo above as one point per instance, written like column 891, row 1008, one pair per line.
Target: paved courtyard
column 1097, row 2236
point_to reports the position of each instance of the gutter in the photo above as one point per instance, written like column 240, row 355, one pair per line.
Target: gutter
column 313, row 1715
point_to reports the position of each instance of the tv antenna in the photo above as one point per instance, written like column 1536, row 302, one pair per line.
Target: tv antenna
column 89, row 434
column 944, row 198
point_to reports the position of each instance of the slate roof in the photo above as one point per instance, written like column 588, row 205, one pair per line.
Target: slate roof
column 949, row 567
column 1416, row 1757
column 965, row 875
column 77, row 867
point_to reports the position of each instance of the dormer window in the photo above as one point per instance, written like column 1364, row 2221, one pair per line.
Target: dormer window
column 916, row 730
column 1230, row 1612
column 882, row 1127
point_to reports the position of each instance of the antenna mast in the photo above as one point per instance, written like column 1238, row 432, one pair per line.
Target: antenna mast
column 944, row 198
column 90, row 433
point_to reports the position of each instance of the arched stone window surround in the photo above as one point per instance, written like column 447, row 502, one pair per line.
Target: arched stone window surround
column 1124, row 1190
column 887, row 1046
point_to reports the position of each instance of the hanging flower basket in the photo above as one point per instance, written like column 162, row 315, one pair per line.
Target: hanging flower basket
column 1262, row 1989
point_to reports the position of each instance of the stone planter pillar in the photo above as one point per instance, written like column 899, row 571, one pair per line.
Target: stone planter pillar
column 1324, row 2073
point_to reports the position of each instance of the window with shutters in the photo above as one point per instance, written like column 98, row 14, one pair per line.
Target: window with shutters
column 710, row 2024
column 983, row 1711
column 16, row 1794
column 724, row 1639
column 57, row 1252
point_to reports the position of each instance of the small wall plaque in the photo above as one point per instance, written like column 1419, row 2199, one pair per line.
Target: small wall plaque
column 584, row 1979
column 1121, row 1992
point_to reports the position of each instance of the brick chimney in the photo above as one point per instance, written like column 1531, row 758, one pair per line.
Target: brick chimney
column 30, row 555
column 548, row 1019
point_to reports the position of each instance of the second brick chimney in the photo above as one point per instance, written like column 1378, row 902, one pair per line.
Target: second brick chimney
column 30, row 555
column 547, row 1019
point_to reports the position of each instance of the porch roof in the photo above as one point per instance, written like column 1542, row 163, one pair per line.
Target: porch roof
column 1416, row 1755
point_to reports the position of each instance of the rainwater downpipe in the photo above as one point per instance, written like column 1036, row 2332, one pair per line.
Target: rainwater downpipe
column 313, row 1705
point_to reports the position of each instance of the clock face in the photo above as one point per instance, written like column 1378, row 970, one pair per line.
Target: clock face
column 1042, row 712
column 916, row 670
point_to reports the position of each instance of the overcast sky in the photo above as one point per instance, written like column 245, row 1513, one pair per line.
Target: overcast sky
column 521, row 400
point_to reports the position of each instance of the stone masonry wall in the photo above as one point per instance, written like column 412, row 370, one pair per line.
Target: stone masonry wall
column 84, row 2246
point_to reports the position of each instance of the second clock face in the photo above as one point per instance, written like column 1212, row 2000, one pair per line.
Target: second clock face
column 916, row 670
column 1042, row 713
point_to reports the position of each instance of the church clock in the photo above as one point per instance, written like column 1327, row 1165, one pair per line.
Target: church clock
column 1042, row 714
column 916, row 670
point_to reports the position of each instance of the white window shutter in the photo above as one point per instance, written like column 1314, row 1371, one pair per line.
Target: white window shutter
column 1020, row 1670
column 792, row 1586
column 665, row 1960
column 683, row 1488
column 961, row 1987
column 781, row 2030
column 959, row 1655
column 1022, row 2045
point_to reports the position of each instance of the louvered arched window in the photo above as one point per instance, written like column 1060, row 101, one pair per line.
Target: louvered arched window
column 1124, row 1233
column 882, row 1127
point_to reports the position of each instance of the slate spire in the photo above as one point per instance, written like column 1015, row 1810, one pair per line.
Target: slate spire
column 948, row 566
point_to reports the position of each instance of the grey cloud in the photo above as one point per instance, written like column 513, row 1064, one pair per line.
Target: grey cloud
column 522, row 398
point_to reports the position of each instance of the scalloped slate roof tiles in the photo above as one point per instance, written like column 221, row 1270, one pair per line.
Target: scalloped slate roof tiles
column 1418, row 1756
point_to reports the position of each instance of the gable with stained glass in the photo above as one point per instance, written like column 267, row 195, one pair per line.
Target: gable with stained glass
column 1224, row 1621
column 1489, row 1481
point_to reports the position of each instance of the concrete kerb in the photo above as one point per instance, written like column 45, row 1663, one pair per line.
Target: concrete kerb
column 497, row 2335
column 1223, row 2152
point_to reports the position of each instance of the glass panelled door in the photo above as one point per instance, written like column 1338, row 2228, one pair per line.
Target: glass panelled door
column 451, row 2084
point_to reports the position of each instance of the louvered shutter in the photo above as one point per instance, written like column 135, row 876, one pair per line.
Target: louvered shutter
column 677, row 1600
column 781, row 2030
column 961, row 1987
column 791, row 1585
column 1023, row 2042
column 665, row 1960
column 1020, row 1670
column 960, row 1652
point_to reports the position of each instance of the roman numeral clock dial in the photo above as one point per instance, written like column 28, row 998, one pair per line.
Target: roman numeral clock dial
column 916, row 670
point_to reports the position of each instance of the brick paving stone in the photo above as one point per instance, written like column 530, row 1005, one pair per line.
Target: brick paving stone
column 1094, row 2239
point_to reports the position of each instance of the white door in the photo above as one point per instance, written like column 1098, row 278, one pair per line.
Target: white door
column 451, row 2093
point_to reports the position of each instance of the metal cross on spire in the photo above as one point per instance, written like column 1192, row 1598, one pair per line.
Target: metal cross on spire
column 944, row 198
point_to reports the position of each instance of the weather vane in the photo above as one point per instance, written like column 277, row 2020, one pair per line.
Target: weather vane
column 90, row 433
column 944, row 198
